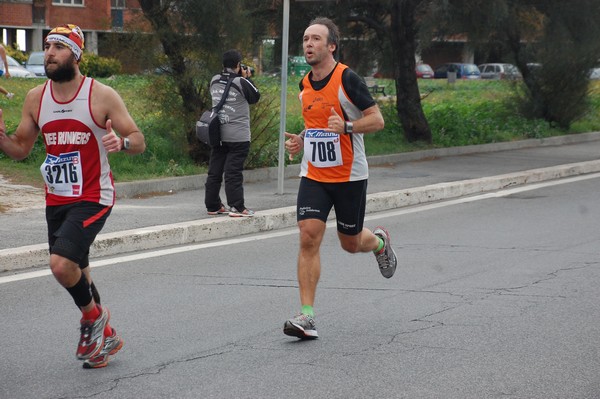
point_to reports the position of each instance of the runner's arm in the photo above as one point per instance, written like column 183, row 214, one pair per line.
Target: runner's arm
column 5, row 61
column 372, row 120
column 110, row 105
column 18, row 145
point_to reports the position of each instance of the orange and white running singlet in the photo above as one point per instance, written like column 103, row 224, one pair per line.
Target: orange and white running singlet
column 76, row 167
column 330, row 157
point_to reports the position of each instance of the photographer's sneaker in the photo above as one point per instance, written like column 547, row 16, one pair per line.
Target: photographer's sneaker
column 92, row 336
column 301, row 326
column 234, row 213
column 10, row 95
column 112, row 344
column 221, row 211
column 386, row 258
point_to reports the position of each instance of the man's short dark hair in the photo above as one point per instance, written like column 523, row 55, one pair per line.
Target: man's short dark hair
column 231, row 58
column 334, row 31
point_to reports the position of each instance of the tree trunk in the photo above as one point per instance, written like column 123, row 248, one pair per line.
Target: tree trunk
column 408, row 103
column 173, row 48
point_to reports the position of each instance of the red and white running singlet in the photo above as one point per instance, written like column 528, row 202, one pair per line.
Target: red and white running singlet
column 76, row 166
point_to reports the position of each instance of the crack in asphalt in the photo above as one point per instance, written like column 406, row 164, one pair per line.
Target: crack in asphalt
column 504, row 291
column 158, row 369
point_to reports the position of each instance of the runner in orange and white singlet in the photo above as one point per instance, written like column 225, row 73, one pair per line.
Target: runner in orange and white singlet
column 338, row 110
column 331, row 157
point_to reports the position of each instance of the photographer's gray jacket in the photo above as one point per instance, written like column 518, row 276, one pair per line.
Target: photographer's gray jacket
column 235, row 113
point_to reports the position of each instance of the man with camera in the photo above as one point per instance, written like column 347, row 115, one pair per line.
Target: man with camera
column 228, row 158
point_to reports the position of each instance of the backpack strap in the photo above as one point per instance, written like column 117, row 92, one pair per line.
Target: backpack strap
column 218, row 107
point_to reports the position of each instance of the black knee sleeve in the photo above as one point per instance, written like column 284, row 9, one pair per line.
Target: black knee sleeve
column 81, row 292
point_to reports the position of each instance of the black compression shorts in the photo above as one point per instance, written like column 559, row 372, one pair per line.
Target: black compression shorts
column 73, row 228
column 349, row 199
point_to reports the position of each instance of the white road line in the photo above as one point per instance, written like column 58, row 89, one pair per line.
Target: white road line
column 291, row 231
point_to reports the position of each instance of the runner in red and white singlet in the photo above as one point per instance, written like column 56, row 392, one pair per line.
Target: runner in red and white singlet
column 76, row 116
column 76, row 166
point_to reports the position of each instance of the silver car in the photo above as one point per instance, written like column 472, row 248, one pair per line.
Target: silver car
column 35, row 63
column 499, row 71
column 16, row 70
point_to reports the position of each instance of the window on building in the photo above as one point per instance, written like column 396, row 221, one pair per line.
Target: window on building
column 118, row 4
column 68, row 2
column 117, row 18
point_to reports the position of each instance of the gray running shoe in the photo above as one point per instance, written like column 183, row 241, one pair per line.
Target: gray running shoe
column 112, row 345
column 92, row 336
column 301, row 326
column 386, row 258
column 246, row 213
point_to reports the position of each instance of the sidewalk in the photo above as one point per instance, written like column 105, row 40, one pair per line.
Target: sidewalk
column 168, row 212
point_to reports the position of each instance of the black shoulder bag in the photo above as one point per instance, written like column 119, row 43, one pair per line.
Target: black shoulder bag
column 208, row 128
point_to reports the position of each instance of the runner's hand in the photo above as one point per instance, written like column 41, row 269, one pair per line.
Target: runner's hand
column 293, row 144
column 110, row 141
column 335, row 123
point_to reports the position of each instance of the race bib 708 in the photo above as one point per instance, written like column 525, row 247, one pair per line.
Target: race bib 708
column 322, row 148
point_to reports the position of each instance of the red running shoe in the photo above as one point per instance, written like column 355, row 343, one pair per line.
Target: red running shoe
column 92, row 337
column 112, row 345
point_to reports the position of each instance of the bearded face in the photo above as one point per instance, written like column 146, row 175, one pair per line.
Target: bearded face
column 60, row 71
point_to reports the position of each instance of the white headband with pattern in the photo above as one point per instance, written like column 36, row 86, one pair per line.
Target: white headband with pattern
column 67, row 42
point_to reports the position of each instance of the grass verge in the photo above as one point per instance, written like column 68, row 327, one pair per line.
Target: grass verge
column 464, row 113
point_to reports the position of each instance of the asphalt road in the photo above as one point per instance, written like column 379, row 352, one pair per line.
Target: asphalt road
column 496, row 296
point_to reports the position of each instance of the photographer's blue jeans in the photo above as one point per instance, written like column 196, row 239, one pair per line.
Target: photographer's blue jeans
column 226, row 160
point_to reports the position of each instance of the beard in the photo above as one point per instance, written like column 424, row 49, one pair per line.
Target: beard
column 63, row 72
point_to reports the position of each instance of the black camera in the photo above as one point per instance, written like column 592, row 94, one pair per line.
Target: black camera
column 247, row 68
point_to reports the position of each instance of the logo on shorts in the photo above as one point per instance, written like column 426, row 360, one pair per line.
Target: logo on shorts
column 307, row 209
column 346, row 226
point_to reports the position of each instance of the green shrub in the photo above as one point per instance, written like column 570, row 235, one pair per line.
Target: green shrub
column 99, row 67
column 16, row 53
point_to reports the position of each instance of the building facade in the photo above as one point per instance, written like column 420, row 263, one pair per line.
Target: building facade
column 94, row 17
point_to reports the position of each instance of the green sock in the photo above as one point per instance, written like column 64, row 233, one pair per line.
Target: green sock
column 380, row 245
column 308, row 310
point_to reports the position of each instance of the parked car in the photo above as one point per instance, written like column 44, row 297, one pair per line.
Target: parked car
column 16, row 70
column 424, row 71
column 35, row 63
column 500, row 71
column 463, row 71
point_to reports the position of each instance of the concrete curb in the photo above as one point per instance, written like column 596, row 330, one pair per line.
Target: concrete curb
column 212, row 229
column 133, row 189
